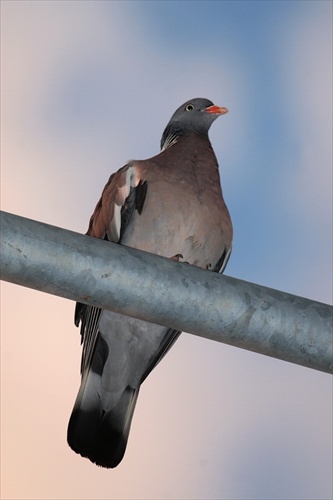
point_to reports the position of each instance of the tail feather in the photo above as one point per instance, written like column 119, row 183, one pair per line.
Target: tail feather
column 125, row 350
column 102, row 436
column 94, row 432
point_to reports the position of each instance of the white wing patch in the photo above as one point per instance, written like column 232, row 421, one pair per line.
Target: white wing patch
column 128, row 179
column 115, row 223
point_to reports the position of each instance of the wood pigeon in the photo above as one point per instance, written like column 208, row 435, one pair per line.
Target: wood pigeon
column 169, row 205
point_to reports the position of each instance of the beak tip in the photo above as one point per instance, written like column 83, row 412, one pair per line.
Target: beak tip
column 216, row 110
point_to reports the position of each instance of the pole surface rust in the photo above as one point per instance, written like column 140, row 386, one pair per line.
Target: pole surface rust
column 159, row 290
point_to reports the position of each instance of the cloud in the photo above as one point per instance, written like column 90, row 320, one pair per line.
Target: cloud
column 306, row 190
column 78, row 103
column 307, row 67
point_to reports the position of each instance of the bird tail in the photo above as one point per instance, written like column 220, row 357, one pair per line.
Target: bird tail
column 96, row 432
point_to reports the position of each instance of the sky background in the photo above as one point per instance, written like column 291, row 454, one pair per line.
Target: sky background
column 86, row 86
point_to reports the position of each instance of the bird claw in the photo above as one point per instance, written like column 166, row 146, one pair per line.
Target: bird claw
column 177, row 257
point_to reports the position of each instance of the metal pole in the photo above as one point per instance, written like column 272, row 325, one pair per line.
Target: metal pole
column 155, row 289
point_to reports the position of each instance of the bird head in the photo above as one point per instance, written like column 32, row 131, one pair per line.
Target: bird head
column 194, row 116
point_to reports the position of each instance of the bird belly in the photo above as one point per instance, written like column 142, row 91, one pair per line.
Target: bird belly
column 182, row 228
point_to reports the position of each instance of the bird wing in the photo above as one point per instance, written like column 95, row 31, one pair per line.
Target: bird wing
column 124, row 192
column 222, row 263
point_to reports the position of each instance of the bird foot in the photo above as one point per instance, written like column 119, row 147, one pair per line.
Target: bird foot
column 177, row 257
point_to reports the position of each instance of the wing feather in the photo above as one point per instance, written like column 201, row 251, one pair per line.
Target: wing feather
column 124, row 192
column 107, row 219
column 222, row 263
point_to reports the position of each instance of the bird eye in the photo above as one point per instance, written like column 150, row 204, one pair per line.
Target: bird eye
column 189, row 107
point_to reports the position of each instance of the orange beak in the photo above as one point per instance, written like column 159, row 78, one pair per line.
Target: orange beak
column 216, row 110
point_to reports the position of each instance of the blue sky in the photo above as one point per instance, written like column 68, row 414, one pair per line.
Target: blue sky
column 86, row 86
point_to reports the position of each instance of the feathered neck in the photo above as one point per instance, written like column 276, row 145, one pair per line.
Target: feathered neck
column 173, row 132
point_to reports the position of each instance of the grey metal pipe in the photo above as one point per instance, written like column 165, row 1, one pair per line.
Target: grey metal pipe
column 155, row 289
